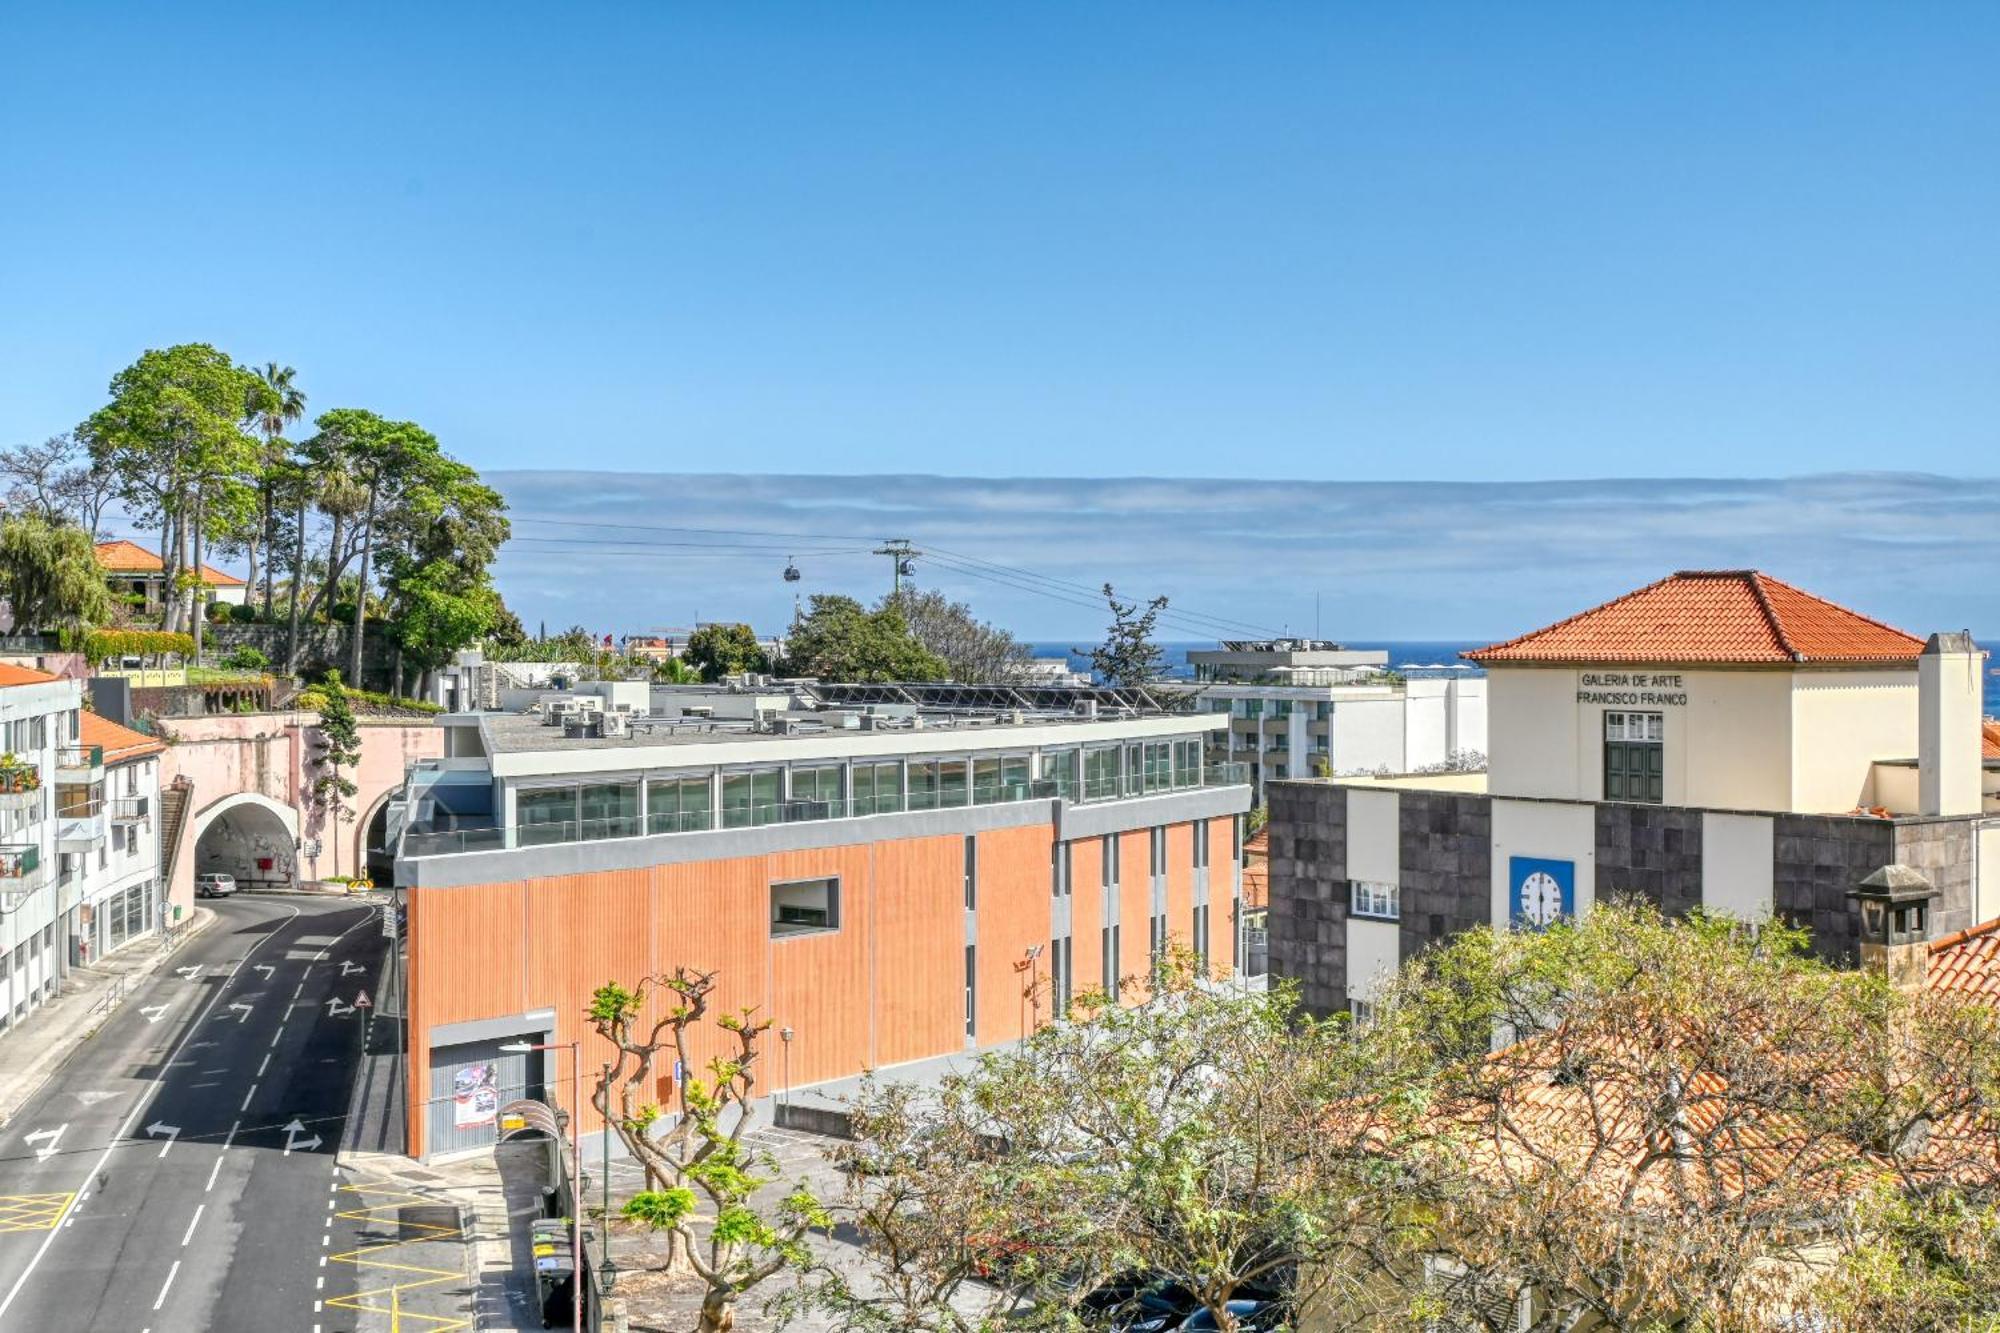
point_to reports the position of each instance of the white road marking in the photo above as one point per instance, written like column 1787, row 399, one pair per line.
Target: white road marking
column 327, row 1239
column 292, row 1131
column 263, row 1064
column 193, row 1222
column 267, row 970
column 279, row 1033
column 172, row 1132
column 154, row 1012
column 246, row 1098
column 93, row 1096
column 171, row 1272
column 242, row 1010
column 213, row 1172
column 54, row 1136
column 146, row 1095
column 348, row 969
column 191, row 973
column 319, row 1284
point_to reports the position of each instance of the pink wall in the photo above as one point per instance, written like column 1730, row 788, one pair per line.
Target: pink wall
column 269, row 754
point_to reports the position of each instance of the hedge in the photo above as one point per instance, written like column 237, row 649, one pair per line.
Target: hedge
column 100, row 645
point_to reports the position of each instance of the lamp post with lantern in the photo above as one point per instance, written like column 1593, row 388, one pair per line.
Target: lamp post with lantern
column 575, row 1050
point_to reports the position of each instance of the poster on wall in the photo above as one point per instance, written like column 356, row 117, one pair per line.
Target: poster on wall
column 1541, row 891
column 475, row 1096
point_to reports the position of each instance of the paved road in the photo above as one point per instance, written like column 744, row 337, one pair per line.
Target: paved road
column 178, row 1173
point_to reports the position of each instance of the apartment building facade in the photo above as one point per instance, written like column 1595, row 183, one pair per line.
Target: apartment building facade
column 78, row 868
column 1302, row 708
column 1719, row 739
column 885, row 885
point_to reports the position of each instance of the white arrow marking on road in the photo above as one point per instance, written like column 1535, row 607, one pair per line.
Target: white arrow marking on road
column 335, row 1009
column 93, row 1097
column 292, row 1131
column 242, row 1009
column 266, row 969
column 348, row 969
column 191, row 973
column 172, row 1132
column 54, row 1136
column 154, row 1012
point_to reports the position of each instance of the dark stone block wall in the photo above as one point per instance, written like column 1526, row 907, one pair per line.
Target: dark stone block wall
column 1942, row 850
column 1445, row 853
column 1650, row 850
column 1817, row 859
column 1308, row 890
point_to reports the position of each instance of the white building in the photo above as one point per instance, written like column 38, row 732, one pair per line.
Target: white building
column 1717, row 740
column 79, row 873
column 1303, row 708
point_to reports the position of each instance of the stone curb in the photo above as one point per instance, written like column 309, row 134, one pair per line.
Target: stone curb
column 53, row 1056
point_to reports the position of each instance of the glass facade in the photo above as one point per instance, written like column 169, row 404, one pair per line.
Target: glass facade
column 677, row 805
column 609, row 809
column 878, row 788
column 752, row 798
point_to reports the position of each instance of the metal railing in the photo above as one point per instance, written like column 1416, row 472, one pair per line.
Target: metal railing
column 80, row 756
column 20, row 861
column 734, row 815
column 131, row 809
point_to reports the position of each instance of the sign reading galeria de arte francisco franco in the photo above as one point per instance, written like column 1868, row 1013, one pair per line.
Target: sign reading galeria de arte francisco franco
column 1632, row 689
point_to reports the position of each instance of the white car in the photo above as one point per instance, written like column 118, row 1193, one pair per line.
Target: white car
column 214, row 885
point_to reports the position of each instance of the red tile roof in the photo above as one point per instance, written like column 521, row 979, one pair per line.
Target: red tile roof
column 120, row 743
column 1737, row 616
column 123, row 557
column 1989, row 739
column 20, row 675
column 1967, row 963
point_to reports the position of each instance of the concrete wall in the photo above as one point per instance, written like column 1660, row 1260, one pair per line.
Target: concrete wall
column 267, row 755
column 1986, row 894
column 1445, row 856
column 1547, row 829
column 1737, row 854
column 1818, row 859
column 1651, row 851
column 1842, row 722
column 1943, row 850
column 1308, row 890
column 1531, row 727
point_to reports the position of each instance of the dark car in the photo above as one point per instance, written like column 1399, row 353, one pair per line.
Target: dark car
column 1250, row 1317
column 1136, row 1304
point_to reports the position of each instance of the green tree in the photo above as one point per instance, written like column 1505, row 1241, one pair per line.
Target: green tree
column 724, row 650
column 275, row 402
column 336, row 750
column 836, row 638
column 49, row 576
column 438, row 611
column 973, row 651
column 706, row 1186
column 1128, row 656
column 173, row 439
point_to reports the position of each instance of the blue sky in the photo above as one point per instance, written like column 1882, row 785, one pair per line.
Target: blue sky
column 1316, row 241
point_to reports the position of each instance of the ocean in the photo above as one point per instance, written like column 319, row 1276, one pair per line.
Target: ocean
column 1414, row 652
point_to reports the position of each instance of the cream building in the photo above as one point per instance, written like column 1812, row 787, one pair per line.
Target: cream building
column 1718, row 739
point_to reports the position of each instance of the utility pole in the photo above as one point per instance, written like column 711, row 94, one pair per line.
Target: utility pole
column 900, row 553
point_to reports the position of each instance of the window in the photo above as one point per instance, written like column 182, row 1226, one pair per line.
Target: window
column 1056, row 774
column 1256, row 942
column 677, row 805
column 1110, row 943
column 986, row 781
column 816, row 792
column 878, row 788
column 609, row 809
column 1362, row 1012
column 1059, row 977
column 1059, row 884
column 1109, row 860
column 1100, row 773
column 1201, row 844
column 751, row 798
column 1159, row 941
column 952, row 787
column 546, row 815
column 806, row 905
column 1634, row 755
column 1377, row 901
column 971, row 872
column 1201, row 937
column 1187, row 763
column 971, row 992
column 1157, row 845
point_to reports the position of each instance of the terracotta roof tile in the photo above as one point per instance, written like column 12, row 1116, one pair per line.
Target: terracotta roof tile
column 1967, row 963
column 1735, row 616
column 120, row 743
column 1989, row 739
column 20, row 675
column 124, row 557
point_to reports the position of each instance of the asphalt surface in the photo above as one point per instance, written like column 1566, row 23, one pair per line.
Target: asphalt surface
column 178, row 1172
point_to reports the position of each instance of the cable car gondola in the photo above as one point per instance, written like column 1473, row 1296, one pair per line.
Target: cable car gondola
column 792, row 574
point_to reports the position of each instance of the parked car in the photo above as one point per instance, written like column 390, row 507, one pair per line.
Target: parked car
column 1250, row 1316
column 214, row 884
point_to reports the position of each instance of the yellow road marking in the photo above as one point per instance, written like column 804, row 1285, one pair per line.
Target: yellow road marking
column 32, row 1212
column 402, row 1277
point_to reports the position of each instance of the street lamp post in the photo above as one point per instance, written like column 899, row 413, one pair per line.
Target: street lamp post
column 575, row 1050
column 785, row 1035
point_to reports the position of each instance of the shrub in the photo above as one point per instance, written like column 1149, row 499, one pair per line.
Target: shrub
column 218, row 613
column 246, row 657
column 101, row 645
column 245, row 614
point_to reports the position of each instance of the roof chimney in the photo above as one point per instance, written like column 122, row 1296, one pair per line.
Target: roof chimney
column 1948, row 719
column 1895, row 905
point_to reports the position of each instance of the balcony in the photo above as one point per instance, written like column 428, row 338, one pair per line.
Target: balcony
column 419, row 842
column 131, row 809
column 80, row 763
column 20, row 785
column 21, row 873
column 79, row 816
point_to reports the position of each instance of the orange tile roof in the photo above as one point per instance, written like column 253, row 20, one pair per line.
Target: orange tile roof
column 1989, row 739
column 1967, row 963
column 20, row 675
column 1737, row 616
column 120, row 743
column 123, row 557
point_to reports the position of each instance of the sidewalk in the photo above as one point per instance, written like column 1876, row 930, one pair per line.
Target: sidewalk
column 32, row 1051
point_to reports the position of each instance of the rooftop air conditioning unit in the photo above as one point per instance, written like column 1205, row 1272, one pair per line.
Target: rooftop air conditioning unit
column 581, row 727
column 1086, row 708
column 615, row 724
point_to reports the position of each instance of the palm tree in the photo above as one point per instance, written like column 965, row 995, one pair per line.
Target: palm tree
column 275, row 403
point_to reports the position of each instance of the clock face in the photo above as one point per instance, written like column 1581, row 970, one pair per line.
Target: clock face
column 1541, row 898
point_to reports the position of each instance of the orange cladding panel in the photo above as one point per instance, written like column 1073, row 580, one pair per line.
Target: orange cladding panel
column 1013, row 918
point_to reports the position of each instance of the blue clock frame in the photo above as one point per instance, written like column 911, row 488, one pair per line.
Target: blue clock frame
column 1522, row 868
